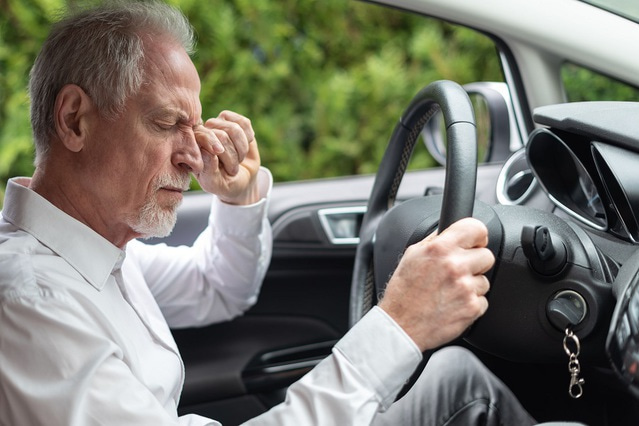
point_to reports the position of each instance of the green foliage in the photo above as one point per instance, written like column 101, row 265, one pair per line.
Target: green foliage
column 23, row 27
column 582, row 84
column 324, row 81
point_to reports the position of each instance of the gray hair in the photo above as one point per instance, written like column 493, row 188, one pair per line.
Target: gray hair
column 101, row 50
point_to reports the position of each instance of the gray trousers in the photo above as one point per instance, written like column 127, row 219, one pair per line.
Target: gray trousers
column 456, row 389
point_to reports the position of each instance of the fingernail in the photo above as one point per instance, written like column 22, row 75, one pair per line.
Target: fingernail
column 218, row 147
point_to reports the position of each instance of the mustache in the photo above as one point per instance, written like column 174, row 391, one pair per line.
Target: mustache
column 180, row 181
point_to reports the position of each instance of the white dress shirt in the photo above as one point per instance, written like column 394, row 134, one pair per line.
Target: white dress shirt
column 85, row 327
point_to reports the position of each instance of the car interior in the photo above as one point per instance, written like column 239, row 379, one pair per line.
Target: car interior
column 553, row 179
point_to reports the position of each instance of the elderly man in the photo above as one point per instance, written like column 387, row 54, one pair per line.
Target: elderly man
column 86, row 308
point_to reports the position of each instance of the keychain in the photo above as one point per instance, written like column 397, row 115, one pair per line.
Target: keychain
column 575, row 390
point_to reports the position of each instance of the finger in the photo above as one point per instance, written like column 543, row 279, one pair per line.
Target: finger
column 467, row 233
column 482, row 307
column 482, row 285
column 211, row 165
column 231, row 135
column 230, row 158
column 479, row 260
column 207, row 140
column 242, row 121
column 240, row 132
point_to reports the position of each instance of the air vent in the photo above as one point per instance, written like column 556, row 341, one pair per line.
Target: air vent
column 516, row 181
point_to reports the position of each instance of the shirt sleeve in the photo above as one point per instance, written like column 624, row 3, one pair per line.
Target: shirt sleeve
column 219, row 277
column 364, row 374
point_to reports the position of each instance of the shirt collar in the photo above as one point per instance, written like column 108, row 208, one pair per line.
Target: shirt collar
column 84, row 249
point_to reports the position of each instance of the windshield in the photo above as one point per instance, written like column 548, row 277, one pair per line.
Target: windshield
column 626, row 8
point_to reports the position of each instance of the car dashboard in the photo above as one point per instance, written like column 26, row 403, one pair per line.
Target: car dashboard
column 584, row 157
column 586, row 162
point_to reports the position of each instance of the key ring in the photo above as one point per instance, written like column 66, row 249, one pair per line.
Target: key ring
column 575, row 340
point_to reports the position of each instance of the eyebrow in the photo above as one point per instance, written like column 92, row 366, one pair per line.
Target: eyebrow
column 180, row 115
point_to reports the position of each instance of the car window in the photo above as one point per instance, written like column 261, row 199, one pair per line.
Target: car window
column 583, row 84
column 625, row 8
column 324, row 82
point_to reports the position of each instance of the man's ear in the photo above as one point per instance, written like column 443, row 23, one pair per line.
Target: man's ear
column 71, row 115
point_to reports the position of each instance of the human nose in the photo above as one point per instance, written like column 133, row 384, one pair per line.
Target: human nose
column 187, row 154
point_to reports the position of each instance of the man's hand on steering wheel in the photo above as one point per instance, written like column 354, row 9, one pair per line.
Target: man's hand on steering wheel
column 438, row 289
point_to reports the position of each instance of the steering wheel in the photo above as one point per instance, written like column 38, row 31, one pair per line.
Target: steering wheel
column 548, row 274
column 414, row 219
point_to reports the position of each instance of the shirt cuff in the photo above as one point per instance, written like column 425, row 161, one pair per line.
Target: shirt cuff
column 244, row 219
column 382, row 351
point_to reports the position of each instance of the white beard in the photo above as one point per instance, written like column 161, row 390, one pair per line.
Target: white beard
column 154, row 220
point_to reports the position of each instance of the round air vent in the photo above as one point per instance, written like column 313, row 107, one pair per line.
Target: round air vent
column 516, row 181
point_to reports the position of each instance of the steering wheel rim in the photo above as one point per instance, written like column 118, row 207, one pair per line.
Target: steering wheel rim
column 459, row 186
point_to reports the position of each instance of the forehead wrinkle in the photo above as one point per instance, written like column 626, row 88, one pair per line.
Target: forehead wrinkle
column 171, row 79
column 179, row 107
